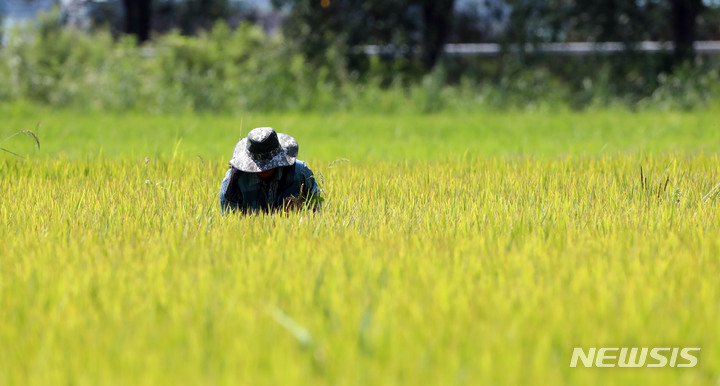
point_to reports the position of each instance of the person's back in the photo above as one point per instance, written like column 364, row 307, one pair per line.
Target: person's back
column 265, row 175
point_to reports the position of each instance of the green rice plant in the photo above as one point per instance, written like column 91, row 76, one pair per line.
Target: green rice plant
column 411, row 273
column 26, row 132
column 452, row 253
column 650, row 190
column 713, row 194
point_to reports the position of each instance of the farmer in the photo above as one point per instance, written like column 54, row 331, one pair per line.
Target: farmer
column 265, row 175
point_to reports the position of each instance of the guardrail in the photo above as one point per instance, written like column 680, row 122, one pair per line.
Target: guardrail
column 564, row 49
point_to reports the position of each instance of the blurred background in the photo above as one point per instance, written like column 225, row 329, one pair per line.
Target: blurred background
column 358, row 55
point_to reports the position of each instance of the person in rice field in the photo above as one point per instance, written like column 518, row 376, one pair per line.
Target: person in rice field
column 265, row 175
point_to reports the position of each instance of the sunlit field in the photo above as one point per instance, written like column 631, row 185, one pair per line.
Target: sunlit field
column 452, row 249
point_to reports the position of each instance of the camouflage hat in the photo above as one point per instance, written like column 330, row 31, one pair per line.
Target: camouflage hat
column 264, row 149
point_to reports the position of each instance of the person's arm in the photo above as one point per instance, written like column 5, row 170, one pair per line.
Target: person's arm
column 229, row 202
column 310, row 189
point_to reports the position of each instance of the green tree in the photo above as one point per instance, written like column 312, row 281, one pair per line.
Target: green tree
column 137, row 18
column 685, row 27
column 414, row 31
column 609, row 20
column 194, row 15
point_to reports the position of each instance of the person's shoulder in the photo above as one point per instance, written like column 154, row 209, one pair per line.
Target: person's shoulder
column 302, row 168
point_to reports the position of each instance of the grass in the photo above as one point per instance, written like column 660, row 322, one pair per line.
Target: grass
column 453, row 249
column 368, row 138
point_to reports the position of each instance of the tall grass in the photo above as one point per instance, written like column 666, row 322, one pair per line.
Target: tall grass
column 469, row 270
column 26, row 132
column 79, row 134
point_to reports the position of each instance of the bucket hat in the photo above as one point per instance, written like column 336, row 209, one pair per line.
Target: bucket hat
column 264, row 149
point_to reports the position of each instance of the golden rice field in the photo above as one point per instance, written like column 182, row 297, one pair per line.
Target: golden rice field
column 467, row 268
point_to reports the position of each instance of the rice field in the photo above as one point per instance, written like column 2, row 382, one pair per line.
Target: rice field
column 451, row 250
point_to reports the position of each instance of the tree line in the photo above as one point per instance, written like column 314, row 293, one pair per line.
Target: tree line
column 420, row 28
column 329, row 36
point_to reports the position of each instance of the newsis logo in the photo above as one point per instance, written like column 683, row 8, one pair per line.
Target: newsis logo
column 635, row 357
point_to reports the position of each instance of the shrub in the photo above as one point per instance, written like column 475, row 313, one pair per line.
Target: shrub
column 230, row 70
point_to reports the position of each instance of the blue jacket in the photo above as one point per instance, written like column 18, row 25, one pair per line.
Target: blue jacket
column 247, row 192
